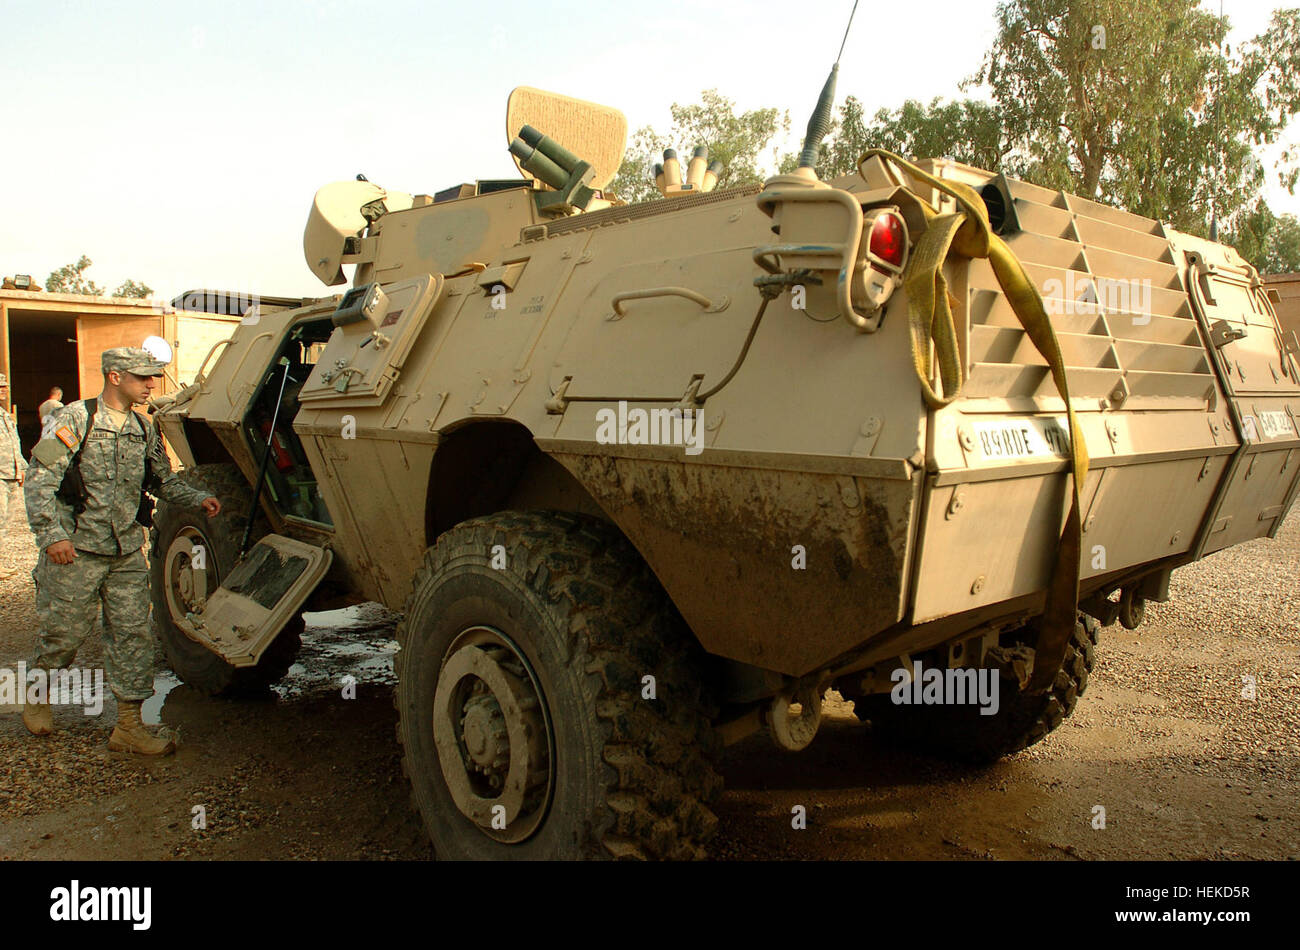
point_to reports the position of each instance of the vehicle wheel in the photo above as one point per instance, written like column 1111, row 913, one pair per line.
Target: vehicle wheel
column 524, row 650
column 960, row 733
column 1132, row 608
column 173, row 582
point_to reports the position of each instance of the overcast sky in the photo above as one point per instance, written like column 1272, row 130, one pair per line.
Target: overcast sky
column 180, row 143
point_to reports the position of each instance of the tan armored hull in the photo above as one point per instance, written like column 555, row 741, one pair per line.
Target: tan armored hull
column 827, row 506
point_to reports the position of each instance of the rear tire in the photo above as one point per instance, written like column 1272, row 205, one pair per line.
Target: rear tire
column 571, row 612
column 961, row 734
column 174, row 529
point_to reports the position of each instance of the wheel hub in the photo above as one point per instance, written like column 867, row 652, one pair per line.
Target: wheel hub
column 484, row 729
column 492, row 732
column 187, row 586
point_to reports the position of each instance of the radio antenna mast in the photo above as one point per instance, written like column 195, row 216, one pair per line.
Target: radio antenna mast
column 820, row 122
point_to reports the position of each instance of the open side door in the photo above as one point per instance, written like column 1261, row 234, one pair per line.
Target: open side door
column 375, row 330
column 266, row 588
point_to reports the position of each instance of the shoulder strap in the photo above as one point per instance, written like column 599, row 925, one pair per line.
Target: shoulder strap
column 92, row 406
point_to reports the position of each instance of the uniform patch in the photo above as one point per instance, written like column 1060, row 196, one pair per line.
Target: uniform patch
column 48, row 451
column 65, row 435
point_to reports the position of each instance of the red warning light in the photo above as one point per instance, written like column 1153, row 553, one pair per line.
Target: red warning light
column 888, row 239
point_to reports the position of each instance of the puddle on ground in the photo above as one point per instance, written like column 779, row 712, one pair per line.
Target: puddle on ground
column 354, row 618
column 354, row 641
column 151, row 709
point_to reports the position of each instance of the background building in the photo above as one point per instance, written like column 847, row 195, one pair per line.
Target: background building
column 1284, row 291
column 55, row 340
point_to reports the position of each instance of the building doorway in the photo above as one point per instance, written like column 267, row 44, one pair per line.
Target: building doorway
column 42, row 354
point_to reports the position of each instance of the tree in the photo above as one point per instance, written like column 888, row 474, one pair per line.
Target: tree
column 1138, row 106
column 736, row 140
column 131, row 288
column 1135, row 105
column 1269, row 242
column 967, row 131
column 71, row 279
column 634, row 182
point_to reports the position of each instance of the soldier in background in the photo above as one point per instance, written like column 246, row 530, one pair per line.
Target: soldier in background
column 90, row 539
column 12, row 467
column 51, row 405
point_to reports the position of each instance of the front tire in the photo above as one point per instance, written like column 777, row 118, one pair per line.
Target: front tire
column 524, row 650
column 172, row 582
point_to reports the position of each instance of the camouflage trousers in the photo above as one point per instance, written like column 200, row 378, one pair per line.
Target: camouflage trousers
column 10, row 492
column 69, row 597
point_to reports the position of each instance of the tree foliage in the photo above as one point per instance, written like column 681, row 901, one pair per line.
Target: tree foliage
column 71, row 279
column 1134, row 105
column 967, row 131
column 1139, row 106
column 1270, row 242
column 131, row 288
column 735, row 139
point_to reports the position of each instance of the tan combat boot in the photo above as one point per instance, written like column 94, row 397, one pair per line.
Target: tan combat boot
column 130, row 734
column 38, row 718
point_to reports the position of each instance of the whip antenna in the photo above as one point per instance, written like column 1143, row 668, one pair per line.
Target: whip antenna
column 820, row 122
column 846, row 32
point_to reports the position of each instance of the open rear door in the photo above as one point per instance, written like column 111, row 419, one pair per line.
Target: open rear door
column 266, row 588
column 1261, row 378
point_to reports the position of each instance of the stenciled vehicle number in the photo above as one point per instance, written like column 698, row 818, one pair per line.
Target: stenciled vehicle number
column 1024, row 438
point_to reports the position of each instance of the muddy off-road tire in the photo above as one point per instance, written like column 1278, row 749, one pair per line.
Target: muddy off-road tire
column 175, row 530
column 524, row 646
column 961, row 734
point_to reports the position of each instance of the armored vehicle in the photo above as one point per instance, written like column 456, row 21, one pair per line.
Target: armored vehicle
column 645, row 479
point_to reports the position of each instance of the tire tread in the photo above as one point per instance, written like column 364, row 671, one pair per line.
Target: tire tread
column 659, row 778
column 960, row 734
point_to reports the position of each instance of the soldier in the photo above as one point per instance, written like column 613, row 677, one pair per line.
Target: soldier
column 90, row 540
column 51, row 405
column 12, row 466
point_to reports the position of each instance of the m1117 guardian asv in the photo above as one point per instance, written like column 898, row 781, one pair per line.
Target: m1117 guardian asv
column 905, row 458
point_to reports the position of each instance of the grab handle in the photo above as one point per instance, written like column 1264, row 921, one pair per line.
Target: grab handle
column 623, row 296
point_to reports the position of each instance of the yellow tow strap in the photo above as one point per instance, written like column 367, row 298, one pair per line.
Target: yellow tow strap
column 966, row 233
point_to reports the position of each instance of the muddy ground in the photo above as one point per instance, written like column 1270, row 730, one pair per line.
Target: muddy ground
column 1184, row 766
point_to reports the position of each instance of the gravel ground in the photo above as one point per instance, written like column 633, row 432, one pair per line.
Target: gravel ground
column 1235, row 617
column 1185, row 767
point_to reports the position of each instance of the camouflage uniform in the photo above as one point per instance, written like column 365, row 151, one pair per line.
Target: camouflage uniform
column 12, row 467
column 110, row 568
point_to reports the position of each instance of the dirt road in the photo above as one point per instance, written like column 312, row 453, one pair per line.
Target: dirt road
column 1184, row 766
